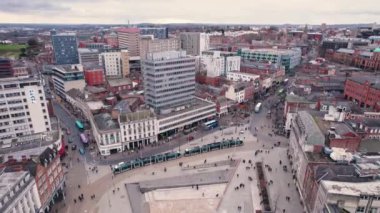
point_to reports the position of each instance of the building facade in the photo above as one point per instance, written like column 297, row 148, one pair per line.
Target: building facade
column 23, row 108
column 6, row 70
column 364, row 90
column 94, row 75
column 241, row 76
column 129, row 38
column 194, row 43
column 157, row 32
column 67, row 77
column 151, row 45
column 18, row 193
column 138, row 129
column 186, row 117
column 65, row 48
column 169, row 79
column 115, row 63
column 87, row 55
column 348, row 197
column 289, row 58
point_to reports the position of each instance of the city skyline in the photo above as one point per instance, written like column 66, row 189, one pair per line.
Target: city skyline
column 197, row 11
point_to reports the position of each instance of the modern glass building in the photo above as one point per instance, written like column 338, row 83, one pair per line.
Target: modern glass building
column 157, row 32
column 289, row 58
column 65, row 48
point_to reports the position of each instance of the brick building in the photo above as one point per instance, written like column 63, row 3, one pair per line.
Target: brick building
column 47, row 172
column 94, row 75
column 361, row 59
column 364, row 90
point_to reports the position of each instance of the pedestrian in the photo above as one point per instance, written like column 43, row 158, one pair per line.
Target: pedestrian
column 78, row 186
column 118, row 189
column 75, row 201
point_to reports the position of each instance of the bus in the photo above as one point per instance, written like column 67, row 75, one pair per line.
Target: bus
column 258, row 107
column 210, row 124
column 83, row 138
column 79, row 124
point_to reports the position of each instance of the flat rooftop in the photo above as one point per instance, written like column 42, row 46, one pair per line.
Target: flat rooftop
column 104, row 121
column 119, row 82
column 196, row 103
column 374, row 80
column 135, row 116
column 352, row 189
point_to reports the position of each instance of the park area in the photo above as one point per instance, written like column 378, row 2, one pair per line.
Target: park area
column 11, row 50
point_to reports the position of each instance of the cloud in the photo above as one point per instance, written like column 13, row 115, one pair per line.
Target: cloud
column 197, row 11
column 30, row 6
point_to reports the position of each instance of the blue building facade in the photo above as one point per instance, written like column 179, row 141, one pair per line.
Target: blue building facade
column 157, row 32
column 65, row 48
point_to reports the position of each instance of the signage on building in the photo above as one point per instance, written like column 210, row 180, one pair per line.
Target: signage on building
column 32, row 96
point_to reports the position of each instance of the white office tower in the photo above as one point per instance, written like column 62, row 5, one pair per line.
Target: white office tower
column 169, row 79
column 23, row 108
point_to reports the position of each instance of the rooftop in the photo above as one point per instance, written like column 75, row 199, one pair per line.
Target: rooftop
column 352, row 189
column 119, row 82
column 374, row 80
column 87, row 50
column 272, row 51
column 314, row 136
column 127, row 30
column 136, row 116
column 369, row 145
column 104, row 121
column 196, row 103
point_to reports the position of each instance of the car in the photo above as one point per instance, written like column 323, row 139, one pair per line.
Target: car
column 70, row 140
column 68, row 132
column 190, row 138
column 81, row 151
column 241, row 132
column 73, row 147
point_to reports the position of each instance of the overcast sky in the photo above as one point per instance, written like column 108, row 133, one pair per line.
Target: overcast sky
column 190, row 11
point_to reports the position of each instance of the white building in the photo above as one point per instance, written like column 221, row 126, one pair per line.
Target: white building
column 218, row 63
column 18, row 193
column 194, row 42
column 87, row 55
column 347, row 197
column 67, row 77
column 150, row 45
column 115, row 63
column 23, row 108
column 241, row 76
column 138, row 129
column 186, row 116
column 236, row 92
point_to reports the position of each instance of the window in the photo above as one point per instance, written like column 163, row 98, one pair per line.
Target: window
column 360, row 209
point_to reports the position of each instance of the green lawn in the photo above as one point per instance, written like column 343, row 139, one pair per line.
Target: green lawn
column 11, row 50
column 11, row 47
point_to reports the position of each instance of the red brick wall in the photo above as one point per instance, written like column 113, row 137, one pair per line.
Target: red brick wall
column 94, row 77
column 351, row 144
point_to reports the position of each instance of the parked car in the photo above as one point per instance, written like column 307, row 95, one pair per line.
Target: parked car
column 68, row 131
column 70, row 140
column 190, row 138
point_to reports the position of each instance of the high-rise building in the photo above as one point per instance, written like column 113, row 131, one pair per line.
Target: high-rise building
column 150, row 45
column 87, row 55
column 65, row 48
column 5, row 68
column 115, row 63
column 67, row 77
column 23, row 108
column 157, row 32
column 129, row 38
column 169, row 79
column 194, row 42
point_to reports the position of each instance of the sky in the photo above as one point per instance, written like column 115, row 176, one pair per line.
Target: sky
column 190, row 11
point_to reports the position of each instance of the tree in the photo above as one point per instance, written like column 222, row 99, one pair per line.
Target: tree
column 32, row 42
